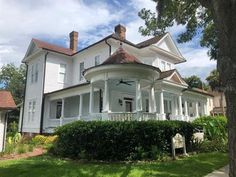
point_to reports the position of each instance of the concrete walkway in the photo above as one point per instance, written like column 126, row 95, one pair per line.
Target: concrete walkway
column 223, row 172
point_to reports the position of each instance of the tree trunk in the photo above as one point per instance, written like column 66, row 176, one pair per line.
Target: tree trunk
column 222, row 102
column 223, row 12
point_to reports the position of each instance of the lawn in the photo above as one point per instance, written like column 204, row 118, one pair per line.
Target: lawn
column 194, row 166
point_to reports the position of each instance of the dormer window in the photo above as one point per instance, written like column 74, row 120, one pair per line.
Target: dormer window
column 62, row 73
column 168, row 66
column 97, row 60
column 163, row 65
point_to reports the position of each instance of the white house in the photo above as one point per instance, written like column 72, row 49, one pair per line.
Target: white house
column 6, row 104
column 112, row 79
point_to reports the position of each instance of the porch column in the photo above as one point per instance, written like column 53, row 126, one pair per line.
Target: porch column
column 62, row 111
column 161, row 104
column 186, row 109
column 176, row 105
column 196, row 109
column 139, row 106
column 80, row 106
column 180, row 107
column 91, row 99
column 106, row 106
column 205, row 108
column 152, row 100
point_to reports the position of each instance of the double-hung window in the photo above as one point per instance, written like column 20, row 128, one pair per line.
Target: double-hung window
column 33, row 109
column 62, row 73
column 36, row 72
column 81, row 70
column 97, row 60
column 163, row 65
column 29, row 110
column 168, row 66
column 58, row 109
column 32, row 74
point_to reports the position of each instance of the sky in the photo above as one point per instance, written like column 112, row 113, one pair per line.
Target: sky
column 52, row 21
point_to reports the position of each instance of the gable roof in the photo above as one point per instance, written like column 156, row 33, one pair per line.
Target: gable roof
column 150, row 41
column 197, row 90
column 173, row 76
column 6, row 101
column 166, row 74
column 120, row 56
column 52, row 47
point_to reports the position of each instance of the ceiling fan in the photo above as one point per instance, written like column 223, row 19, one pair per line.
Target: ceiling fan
column 124, row 82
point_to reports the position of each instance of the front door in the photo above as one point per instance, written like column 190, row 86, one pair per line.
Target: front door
column 128, row 106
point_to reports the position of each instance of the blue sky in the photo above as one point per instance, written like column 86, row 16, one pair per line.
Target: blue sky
column 52, row 21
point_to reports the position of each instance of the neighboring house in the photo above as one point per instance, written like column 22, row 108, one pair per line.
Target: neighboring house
column 112, row 79
column 219, row 103
column 6, row 104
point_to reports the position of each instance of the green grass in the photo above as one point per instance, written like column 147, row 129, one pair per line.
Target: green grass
column 194, row 166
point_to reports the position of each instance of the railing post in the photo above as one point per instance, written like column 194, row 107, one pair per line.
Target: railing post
column 80, row 106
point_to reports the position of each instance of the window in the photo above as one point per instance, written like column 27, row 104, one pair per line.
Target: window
column 58, row 110
column 33, row 109
column 147, row 105
column 190, row 104
column 62, row 73
column 29, row 110
column 32, row 74
column 97, row 60
column 36, row 72
column 168, row 66
column 163, row 65
column 81, row 69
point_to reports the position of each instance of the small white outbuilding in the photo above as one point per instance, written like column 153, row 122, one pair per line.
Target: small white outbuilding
column 6, row 104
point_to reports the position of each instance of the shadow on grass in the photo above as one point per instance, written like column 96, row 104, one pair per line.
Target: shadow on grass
column 195, row 166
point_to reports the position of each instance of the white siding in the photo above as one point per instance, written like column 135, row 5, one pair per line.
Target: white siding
column 52, row 81
column 88, row 57
column 31, row 122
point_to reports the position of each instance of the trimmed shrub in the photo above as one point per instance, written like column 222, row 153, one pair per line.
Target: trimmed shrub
column 43, row 140
column 110, row 140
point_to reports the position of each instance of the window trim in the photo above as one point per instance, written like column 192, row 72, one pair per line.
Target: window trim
column 60, row 72
column 81, row 77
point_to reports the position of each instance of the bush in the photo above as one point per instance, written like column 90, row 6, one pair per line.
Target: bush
column 215, row 128
column 43, row 140
column 21, row 149
column 212, row 146
column 108, row 140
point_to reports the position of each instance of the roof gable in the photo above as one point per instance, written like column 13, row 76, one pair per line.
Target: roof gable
column 6, row 101
column 173, row 76
column 167, row 43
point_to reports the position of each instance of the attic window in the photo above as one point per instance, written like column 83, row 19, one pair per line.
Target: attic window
column 97, row 60
column 62, row 73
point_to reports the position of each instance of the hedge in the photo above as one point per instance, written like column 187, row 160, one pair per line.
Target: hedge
column 110, row 140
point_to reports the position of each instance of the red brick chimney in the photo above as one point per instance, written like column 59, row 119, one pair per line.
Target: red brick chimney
column 74, row 41
column 120, row 31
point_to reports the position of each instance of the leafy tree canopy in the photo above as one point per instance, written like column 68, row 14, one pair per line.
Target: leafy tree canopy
column 195, row 82
column 197, row 19
column 214, row 80
column 12, row 78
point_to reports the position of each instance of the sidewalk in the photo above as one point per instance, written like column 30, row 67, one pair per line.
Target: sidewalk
column 223, row 172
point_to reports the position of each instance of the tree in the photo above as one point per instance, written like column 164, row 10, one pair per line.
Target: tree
column 216, row 20
column 12, row 78
column 195, row 82
column 215, row 84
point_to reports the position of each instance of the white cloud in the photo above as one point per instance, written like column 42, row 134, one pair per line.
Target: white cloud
column 22, row 20
column 53, row 20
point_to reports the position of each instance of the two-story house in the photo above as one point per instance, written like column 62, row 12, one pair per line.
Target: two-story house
column 112, row 79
